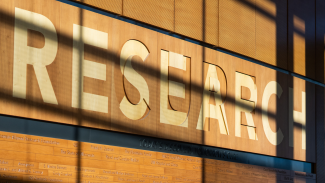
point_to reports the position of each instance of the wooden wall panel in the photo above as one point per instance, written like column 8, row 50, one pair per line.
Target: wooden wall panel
column 262, row 36
column 194, row 54
column 278, row 119
column 146, row 67
column 157, row 13
column 92, row 53
column 149, row 70
column 6, row 43
column 237, row 26
column 198, row 19
column 301, row 37
column 111, row 5
column 271, row 32
column 109, row 167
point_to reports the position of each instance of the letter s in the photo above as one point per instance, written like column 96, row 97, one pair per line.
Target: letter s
column 129, row 50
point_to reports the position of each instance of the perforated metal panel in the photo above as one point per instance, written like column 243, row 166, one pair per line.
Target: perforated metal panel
column 197, row 19
column 109, row 5
column 159, row 13
column 301, row 37
column 212, row 21
column 271, row 32
column 237, row 26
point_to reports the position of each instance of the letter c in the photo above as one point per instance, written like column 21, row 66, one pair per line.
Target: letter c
column 271, row 88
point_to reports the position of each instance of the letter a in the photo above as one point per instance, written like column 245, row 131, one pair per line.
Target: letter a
column 217, row 111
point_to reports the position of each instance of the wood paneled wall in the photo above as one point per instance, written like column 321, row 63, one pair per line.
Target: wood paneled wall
column 259, row 29
column 42, row 160
column 248, row 119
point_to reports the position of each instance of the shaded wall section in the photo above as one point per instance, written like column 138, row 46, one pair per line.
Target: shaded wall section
column 301, row 37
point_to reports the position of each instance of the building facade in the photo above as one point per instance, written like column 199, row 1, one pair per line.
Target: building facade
column 226, row 91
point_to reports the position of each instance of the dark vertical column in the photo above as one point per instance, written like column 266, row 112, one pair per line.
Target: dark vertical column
column 203, row 59
column 320, row 40
column 320, row 99
column 320, row 133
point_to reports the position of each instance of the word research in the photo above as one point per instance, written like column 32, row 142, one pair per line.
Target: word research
column 176, row 92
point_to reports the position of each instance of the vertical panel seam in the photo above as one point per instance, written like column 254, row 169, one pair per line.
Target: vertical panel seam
column 218, row 28
column 315, row 39
column 174, row 16
column 122, row 7
column 288, row 35
column 255, row 56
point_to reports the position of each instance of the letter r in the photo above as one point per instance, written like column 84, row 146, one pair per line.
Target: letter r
column 39, row 58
